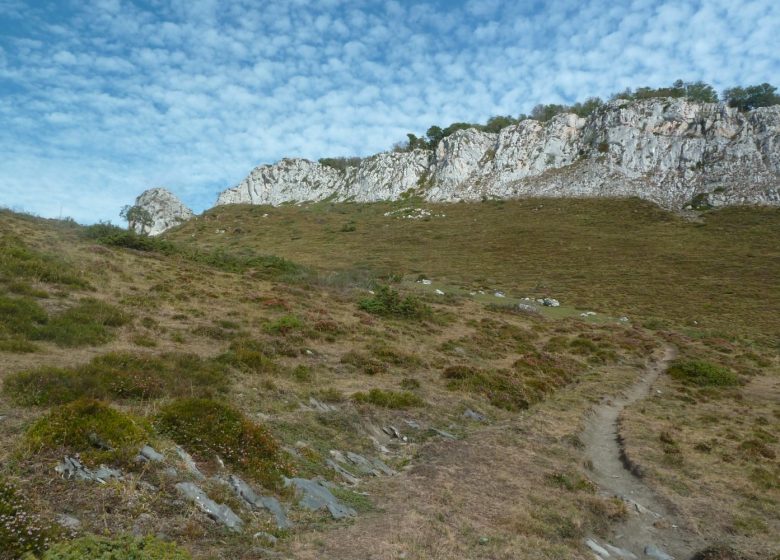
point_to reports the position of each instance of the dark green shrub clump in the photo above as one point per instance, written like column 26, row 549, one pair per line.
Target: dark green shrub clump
column 19, row 261
column 703, row 374
column 209, row 427
column 91, row 428
column 120, row 548
column 389, row 399
column 20, row 530
column 118, row 376
column 20, row 316
column 389, row 303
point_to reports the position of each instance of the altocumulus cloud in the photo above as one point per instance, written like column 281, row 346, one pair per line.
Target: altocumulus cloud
column 100, row 100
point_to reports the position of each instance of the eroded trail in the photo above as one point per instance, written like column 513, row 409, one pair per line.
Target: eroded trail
column 651, row 526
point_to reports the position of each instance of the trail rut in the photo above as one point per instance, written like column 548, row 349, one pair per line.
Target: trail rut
column 651, row 521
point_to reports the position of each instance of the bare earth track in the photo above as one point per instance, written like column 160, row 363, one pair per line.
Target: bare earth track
column 651, row 521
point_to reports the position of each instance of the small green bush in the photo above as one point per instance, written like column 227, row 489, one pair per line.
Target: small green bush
column 91, row 428
column 285, row 325
column 20, row 316
column 364, row 363
column 701, row 373
column 249, row 356
column 86, row 324
column 17, row 345
column 93, row 547
column 387, row 302
column 21, row 531
column 389, row 399
column 118, row 375
column 19, row 261
column 209, row 427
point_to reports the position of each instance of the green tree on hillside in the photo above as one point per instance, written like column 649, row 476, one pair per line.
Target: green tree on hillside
column 750, row 97
column 137, row 218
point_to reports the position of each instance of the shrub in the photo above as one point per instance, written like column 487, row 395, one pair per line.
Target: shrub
column 285, row 325
column 249, row 356
column 20, row 530
column 210, row 427
column 389, row 399
column 118, row 375
column 119, row 548
column 364, row 363
column 90, row 428
column 19, row 261
column 701, row 373
column 85, row 324
column 20, row 316
column 389, row 303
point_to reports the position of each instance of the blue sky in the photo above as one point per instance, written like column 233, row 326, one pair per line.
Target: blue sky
column 102, row 99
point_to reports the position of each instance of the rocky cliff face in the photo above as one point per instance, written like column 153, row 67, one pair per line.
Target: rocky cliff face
column 670, row 151
column 164, row 209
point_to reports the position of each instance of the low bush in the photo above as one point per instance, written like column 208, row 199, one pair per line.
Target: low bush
column 250, row 356
column 20, row 316
column 387, row 302
column 119, row 375
column 285, row 324
column 90, row 428
column 208, row 427
column 21, row 531
column 120, row 548
column 701, row 373
column 19, row 261
column 364, row 363
column 389, row 399
column 85, row 324
column 529, row 381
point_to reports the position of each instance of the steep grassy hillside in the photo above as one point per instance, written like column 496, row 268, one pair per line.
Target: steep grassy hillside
column 301, row 346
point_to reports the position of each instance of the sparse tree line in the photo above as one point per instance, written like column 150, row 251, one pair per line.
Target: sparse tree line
column 743, row 98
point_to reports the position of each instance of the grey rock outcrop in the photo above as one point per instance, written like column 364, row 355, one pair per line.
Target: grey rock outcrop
column 164, row 208
column 673, row 152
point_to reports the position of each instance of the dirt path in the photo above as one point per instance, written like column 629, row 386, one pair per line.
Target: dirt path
column 650, row 522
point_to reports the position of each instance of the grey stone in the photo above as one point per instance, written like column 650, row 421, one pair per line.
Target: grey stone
column 373, row 467
column 253, row 500
column 473, row 415
column 164, row 208
column 621, row 552
column 656, row 553
column 148, row 453
column 267, row 537
column 321, row 406
column 550, row 302
column 444, row 433
column 393, row 432
column 72, row 469
column 413, row 424
column 316, row 496
column 597, row 548
column 68, row 521
column 344, row 473
column 219, row 512
column 192, row 468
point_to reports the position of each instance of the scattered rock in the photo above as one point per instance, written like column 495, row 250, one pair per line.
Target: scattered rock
column 413, row 424
column 597, row 548
column 170, row 472
column 219, row 512
column 444, row 433
column 474, row 415
column 68, row 522
column 499, row 294
column 189, row 463
column 72, row 469
column 526, row 308
column 148, row 453
column 439, row 292
column 245, row 492
column 267, row 537
column 321, row 406
column 621, row 552
column 344, row 473
column 484, row 540
column 372, row 467
column 425, row 282
column 588, row 314
column 656, row 553
column 316, row 496
column 550, row 302
column 393, row 432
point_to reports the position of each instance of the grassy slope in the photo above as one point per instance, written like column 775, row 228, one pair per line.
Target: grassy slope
column 618, row 256
column 718, row 273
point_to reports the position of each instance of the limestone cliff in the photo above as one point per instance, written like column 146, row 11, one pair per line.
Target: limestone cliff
column 670, row 151
column 163, row 208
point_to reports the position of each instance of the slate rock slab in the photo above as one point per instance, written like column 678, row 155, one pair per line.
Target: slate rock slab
column 219, row 512
column 316, row 496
